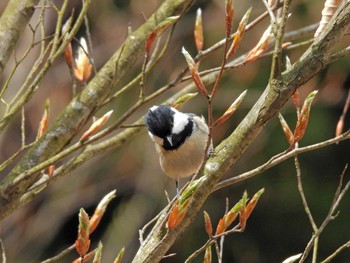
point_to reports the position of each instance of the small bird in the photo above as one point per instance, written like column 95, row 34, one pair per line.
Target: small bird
column 180, row 140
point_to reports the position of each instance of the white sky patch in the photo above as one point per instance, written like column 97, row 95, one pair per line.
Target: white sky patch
column 180, row 121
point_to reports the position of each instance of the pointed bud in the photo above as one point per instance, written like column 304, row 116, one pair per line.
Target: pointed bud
column 86, row 257
column 98, row 253
column 68, row 55
column 232, row 109
column 228, row 218
column 166, row 23
column 150, row 41
column 184, row 98
column 190, row 189
column 242, row 212
column 303, row 119
column 83, row 68
column 330, row 6
column 100, row 210
column 296, row 99
column 44, row 120
column 198, row 30
column 229, row 17
column 288, row 63
column 340, row 127
column 177, row 214
column 293, row 259
column 82, row 244
column 286, row 130
column 252, row 203
column 161, row 27
column 51, row 170
column 120, row 256
column 208, row 225
column 286, row 44
column 239, row 34
column 221, row 226
column 194, row 72
column 96, row 126
column 207, row 255
column 179, row 210
column 190, row 62
column 261, row 47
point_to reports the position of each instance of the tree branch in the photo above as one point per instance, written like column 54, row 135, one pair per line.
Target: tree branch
column 82, row 106
column 229, row 151
column 277, row 159
column 12, row 22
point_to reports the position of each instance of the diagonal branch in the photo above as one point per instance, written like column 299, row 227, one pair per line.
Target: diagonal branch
column 82, row 106
column 277, row 54
column 228, row 152
column 277, row 159
column 12, row 22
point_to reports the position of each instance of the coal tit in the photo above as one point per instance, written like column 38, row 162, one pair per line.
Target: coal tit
column 180, row 140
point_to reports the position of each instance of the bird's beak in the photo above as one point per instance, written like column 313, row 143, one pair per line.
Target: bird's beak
column 170, row 140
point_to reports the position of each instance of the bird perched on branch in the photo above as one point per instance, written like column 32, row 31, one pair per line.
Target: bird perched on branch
column 180, row 140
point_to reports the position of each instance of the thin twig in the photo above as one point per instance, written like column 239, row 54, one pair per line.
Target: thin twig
column 240, row 62
column 89, row 40
column 338, row 55
column 10, row 160
column 43, row 63
column 210, row 108
column 23, row 128
column 17, row 63
column 222, row 239
column 95, row 148
column 302, row 194
column 330, row 216
column 280, row 158
column 336, row 253
column 42, row 27
column 306, row 206
column 143, row 77
column 145, row 227
column 169, row 255
column 200, row 250
column 219, row 44
column 212, row 240
column 341, row 121
column 152, row 62
column 277, row 54
column 60, row 255
column 269, row 10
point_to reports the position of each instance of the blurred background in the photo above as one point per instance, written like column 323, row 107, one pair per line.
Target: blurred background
column 278, row 227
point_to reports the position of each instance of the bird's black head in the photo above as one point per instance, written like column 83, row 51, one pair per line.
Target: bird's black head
column 159, row 120
column 172, row 126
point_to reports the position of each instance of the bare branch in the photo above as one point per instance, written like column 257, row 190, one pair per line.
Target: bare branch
column 330, row 216
column 273, row 161
column 336, row 253
column 12, row 22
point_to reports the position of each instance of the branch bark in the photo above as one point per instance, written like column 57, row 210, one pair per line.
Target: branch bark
column 12, row 22
column 228, row 152
column 81, row 107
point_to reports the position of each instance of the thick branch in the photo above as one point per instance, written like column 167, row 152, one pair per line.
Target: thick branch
column 82, row 106
column 228, row 152
column 12, row 22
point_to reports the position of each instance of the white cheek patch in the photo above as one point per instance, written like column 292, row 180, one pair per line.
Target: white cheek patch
column 180, row 121
column 153, row 108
